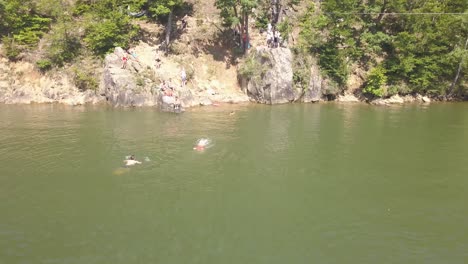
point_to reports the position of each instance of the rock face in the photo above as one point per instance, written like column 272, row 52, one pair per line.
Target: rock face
column 314, row 92
column 272, row 80
column 348, row 97
column 136, row 85
column 20, row 83
column 131, row 86
column 120, row 84
column 397, row 99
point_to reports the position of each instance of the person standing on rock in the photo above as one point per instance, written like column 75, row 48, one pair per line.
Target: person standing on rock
column 158, row 62
column 183, row 76
column 124, row 61
column 276, row 37
column 184, row 22
column 269, row 39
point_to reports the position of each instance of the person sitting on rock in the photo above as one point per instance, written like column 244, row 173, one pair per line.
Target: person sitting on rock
column 133, row 53
column 163, row 86
column 177, row 103
column 170, row 85
column 168, row 92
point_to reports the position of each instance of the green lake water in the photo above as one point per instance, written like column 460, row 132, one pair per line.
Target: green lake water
column 309, row 183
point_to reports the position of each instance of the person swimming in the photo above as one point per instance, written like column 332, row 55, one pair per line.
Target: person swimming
column 202, row 144
column 130, row 161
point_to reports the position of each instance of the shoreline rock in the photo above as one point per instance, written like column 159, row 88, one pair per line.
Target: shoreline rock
column 21, row 83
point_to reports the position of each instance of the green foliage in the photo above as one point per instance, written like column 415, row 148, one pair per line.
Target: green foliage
column 81, row 7
column 262, row 21
column 236, row 14
column 63, row 50
column 162, row 8
column 333, row 63
column 248, row 67
column 285, row 28
column 418, row 52
column 102, row 35
column 20, row 20
column 44, row 65
column 84, row 80
column 12, row 50
column 375, row 82
column 251, row 67
column 63, row 46
column 301, row 68
column 140, row 81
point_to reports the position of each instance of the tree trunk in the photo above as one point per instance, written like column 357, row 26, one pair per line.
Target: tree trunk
column 239, row 26
column 279, row 10
column 458, row 71
column 382, row 12
column 246, row 31
column 168, row 31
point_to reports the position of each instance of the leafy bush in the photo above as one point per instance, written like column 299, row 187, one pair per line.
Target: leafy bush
column 116, row 31
column 140, row 81
column 285, row 29
column 64, row 46
column 301, row 68
column 375, row 82
column 261, row 21
column 84, row 80
column 251, row 67
column 80, row 8
column 44, row 65
column 12, row 50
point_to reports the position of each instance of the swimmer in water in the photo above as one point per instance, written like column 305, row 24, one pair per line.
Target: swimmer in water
column 202, row 144
column 199, row 148
column 131, row 161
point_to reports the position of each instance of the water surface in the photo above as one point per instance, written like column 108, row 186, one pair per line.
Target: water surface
column 318, row 183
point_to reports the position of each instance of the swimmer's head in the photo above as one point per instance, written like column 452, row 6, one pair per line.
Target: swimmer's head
column 132, row 157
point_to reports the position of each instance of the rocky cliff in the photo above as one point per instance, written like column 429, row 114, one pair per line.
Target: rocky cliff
column 21, row 83
column 270, row 79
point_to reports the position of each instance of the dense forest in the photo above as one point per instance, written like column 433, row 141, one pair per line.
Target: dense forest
column 399, row 46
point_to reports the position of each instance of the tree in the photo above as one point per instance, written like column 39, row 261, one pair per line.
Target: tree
column 236, row 13
column 108, row 27
column 20, row 20
column 413, row 43
column 165, row 8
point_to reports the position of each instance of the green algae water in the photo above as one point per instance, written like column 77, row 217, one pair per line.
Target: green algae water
column 318, row 183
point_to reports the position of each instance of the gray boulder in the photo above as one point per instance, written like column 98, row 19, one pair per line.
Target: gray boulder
column 120, row 85
column 270, row 77
column 313, row 93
